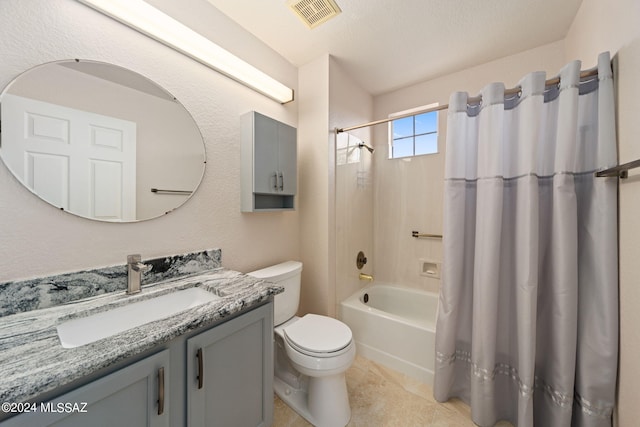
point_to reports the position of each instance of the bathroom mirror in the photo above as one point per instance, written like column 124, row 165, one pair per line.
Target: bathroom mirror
column 100, row 141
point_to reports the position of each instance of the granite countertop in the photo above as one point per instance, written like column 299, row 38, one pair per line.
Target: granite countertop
column 32, row 360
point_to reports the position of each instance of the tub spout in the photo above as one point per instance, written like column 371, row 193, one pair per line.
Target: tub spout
column 363, row 276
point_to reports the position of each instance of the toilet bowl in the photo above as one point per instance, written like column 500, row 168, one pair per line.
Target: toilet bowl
column 318, row 345
column 312, row 354
column 311, row 379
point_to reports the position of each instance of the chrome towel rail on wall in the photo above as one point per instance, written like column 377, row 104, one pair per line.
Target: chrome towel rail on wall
column 428, row 236
column 158, row 191
column 621, row 171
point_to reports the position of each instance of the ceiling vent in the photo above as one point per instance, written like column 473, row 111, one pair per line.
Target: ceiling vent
column 314, row 12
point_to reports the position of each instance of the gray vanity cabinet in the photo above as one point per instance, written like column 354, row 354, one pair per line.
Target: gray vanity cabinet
column 137, row 395
column 230, row 373
column 269, row 164
column 216, row 376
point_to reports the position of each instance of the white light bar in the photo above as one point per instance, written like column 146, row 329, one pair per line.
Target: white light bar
column 145, row 18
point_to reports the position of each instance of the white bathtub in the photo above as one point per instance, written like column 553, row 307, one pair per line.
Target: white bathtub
column 395, row 327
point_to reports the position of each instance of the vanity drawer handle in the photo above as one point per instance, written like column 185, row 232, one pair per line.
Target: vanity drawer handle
column 160, row 391
column 200, row 367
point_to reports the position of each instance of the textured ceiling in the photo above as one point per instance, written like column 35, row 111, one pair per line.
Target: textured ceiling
column 388, row 44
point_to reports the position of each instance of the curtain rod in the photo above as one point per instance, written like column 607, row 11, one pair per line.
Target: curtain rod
column 551, row 82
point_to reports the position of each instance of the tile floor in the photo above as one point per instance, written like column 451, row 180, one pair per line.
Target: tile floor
column 381, row 397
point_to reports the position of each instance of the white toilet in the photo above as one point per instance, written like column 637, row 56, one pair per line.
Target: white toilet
column 312, row 353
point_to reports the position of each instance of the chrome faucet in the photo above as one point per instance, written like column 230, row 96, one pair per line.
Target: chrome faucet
column 135, row 268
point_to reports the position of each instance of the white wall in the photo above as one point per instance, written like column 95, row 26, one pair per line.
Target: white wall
column 329, row 98
column 409, row 192
column 313, row 172
column 38, row 240
column 353, row 227
column 614, row 26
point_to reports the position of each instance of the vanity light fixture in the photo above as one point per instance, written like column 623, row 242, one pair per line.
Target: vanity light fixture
column 148, row 20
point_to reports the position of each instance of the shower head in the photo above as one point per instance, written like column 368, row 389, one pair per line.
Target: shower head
column 362, row 144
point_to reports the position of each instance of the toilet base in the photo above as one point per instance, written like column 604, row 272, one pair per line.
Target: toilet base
column 323, row 402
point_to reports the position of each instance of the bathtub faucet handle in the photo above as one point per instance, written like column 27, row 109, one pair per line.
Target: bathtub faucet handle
column 361, row 260
column 363, row 276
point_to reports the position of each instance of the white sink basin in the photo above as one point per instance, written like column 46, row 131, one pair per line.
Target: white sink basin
column 85, row 330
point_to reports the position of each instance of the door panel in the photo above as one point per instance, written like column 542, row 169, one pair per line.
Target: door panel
column 41, row 135
column 106, row 181
column 48, row 176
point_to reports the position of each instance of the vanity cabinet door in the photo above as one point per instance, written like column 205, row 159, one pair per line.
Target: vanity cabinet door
column 132, row 396
column 230, row 372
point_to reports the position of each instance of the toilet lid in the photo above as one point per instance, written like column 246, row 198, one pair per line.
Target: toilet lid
column 318, row 334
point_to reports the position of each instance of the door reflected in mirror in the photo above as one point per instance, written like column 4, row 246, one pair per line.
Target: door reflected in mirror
column 100, row 141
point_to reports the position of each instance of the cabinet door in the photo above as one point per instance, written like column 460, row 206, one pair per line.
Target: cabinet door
column 128, row 397
column 230, row 372
column 287, row 159
column 265, row 154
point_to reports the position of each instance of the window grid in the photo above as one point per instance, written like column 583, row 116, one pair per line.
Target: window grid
column 399, row 146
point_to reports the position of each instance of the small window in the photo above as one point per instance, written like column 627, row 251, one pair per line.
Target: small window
column 413, row 135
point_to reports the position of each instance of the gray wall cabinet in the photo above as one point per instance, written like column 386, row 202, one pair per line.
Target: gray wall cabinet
column 269, row 163
column 220, row 375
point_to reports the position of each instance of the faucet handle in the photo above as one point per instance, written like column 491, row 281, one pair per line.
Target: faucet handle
column 143, row 268
column 136, row 264
column 133, row 259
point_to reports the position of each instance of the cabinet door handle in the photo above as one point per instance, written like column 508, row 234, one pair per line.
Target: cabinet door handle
column 160, row 391
column 200, row 358
column 275, row 181
column 281, row 181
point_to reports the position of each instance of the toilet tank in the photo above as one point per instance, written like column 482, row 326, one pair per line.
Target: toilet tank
column 287, row 275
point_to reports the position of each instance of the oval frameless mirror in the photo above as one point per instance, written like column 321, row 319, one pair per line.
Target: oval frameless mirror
column 100, row 141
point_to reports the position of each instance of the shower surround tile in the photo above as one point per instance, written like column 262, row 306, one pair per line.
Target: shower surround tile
column 44, row 292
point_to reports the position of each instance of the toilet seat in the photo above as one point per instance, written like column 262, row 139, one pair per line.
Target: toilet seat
column 318, row 336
